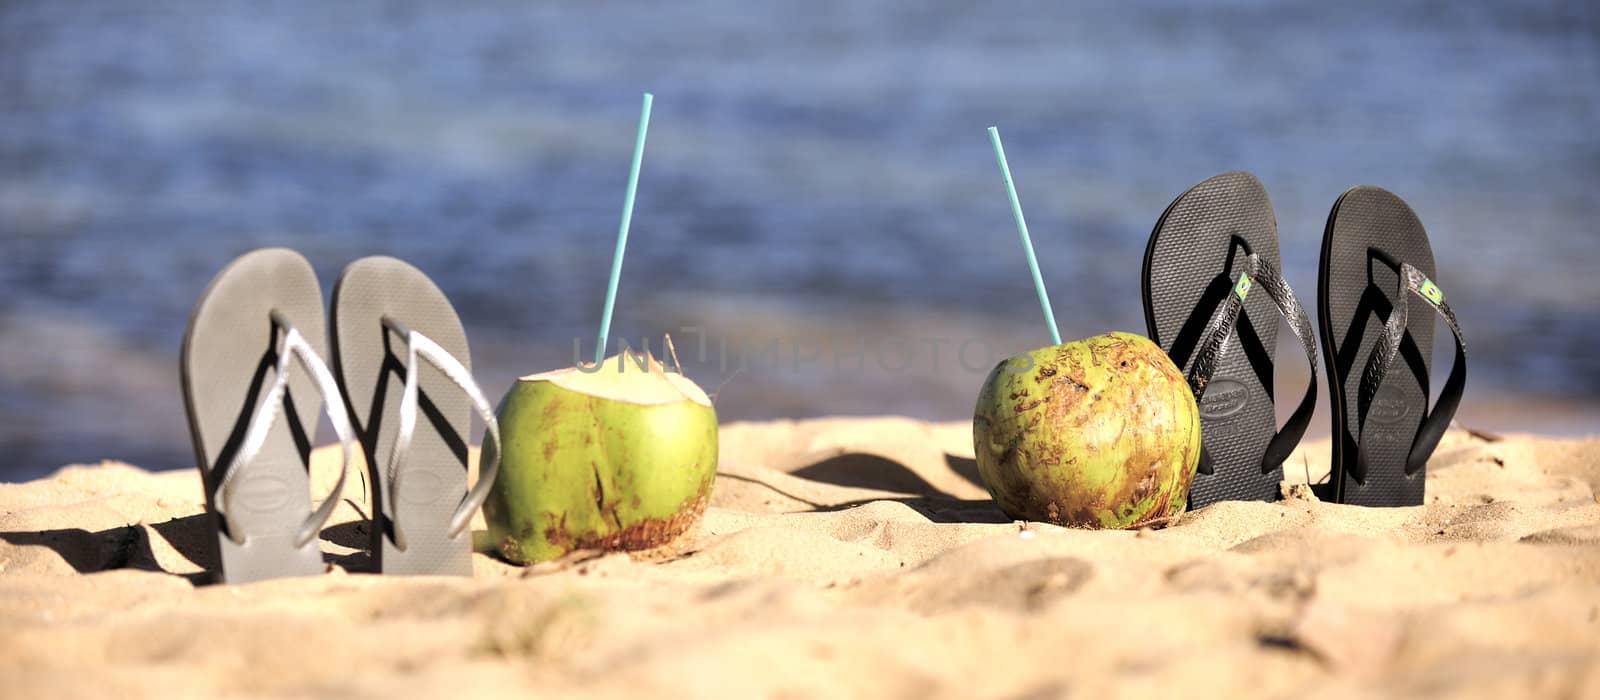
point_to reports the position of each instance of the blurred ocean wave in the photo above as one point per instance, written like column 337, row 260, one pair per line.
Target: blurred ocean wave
column 814, row 169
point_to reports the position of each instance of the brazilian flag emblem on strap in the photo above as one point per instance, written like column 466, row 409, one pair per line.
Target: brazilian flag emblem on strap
column 1243, row 287
column 1431, row 291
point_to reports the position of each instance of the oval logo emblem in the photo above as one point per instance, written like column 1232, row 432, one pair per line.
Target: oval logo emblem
column 1389, row 406
column 421, row 487
column 262, row 494
column 1223, row 398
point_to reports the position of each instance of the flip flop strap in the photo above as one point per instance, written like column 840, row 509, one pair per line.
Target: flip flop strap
column 1221, row 328
column 420, row 346
column 292, row 347
column 1412, row 283
column 1288, row 436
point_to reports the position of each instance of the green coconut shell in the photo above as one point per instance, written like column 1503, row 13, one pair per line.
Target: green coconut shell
column 614, row 457
column 1096, row 433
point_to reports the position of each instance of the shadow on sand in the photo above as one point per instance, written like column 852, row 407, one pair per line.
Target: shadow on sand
column 128, row 547
column 870, row 471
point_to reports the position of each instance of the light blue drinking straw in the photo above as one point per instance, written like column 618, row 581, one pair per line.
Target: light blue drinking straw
column 1022, row 228
column 622, row 230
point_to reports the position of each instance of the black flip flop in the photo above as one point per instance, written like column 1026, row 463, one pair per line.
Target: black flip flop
column 1376, row 262
column 253, row 418
column 402, row 360
column 1212, row 246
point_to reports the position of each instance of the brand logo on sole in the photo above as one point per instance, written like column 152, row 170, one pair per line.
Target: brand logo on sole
column 262, row 494
column 1389, row 406
column 1223, row 398
column 421, row 487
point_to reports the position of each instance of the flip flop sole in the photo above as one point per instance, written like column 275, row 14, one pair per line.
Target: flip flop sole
column 1369, row 232
column 228, row 362
column 1196, row 249
column 370, row 364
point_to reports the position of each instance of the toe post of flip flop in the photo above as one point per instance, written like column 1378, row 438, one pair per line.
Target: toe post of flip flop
column 1377, row 300
column 1212, row 247
column 254, row 380
column 402, row 361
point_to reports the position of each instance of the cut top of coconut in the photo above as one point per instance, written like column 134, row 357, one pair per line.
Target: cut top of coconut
column 621, row 378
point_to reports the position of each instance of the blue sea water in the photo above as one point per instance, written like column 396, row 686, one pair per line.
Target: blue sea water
column 818, row 196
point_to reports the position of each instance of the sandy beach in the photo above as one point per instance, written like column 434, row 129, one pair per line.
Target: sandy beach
column 846, row 558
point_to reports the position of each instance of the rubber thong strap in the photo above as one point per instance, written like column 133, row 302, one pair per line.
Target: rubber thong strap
column 1413, row 282
column 293, row 346
column 1259, row 272
column 423, row 347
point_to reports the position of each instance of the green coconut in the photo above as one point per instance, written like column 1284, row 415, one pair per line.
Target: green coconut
column 615, row 457
column 1096, row 433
